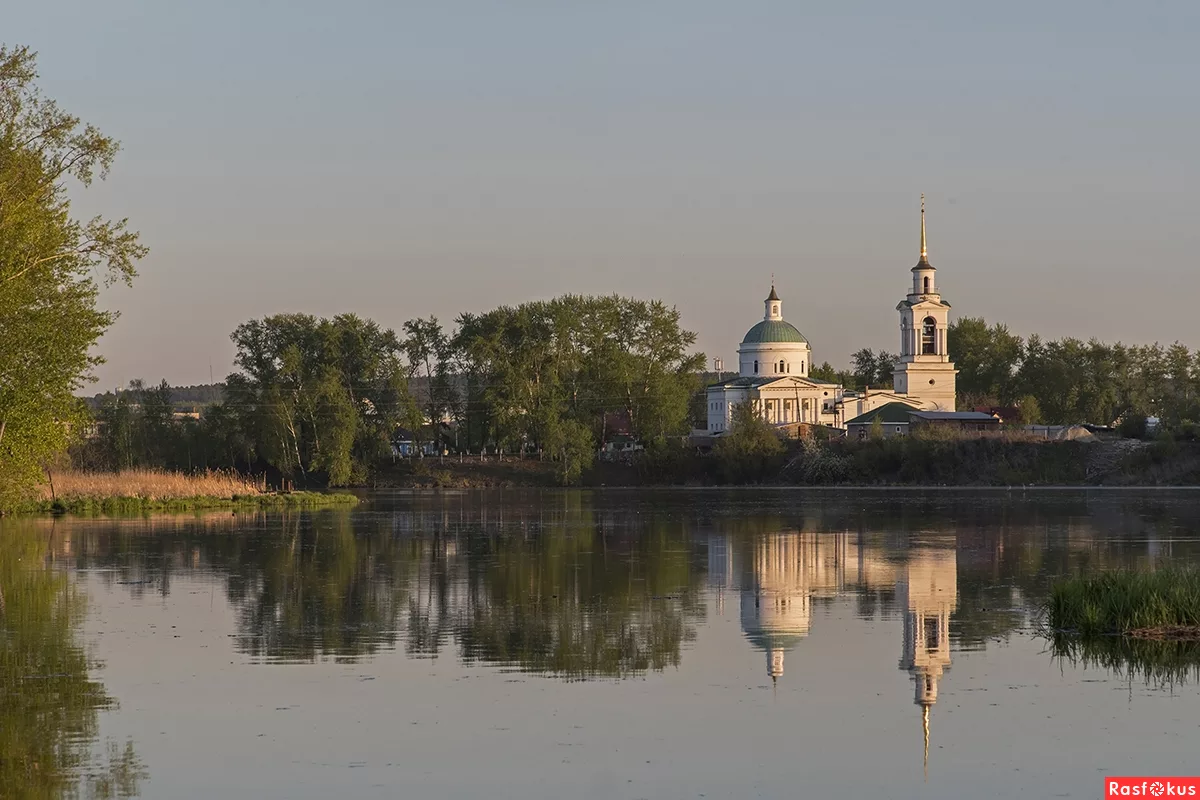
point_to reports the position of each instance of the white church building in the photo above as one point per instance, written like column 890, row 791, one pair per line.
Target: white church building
column 774, row 360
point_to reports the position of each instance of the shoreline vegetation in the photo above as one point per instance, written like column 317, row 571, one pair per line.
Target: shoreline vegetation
column 1135, row 623
column 141, row 491
column 1163, row 605
column 760, row 459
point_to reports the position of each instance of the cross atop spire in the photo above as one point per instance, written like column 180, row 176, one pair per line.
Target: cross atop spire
column 924, row 249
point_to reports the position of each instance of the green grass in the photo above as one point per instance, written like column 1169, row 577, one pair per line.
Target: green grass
column 1126, row 602
column 93, row 506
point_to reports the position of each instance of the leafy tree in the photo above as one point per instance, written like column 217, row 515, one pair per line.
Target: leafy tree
column 871, row 368
column 751, row 451
column 1031, row 412
column 825, row 372
column 49, row 265
column 527, row 367
column 429, row 357
column 986, row 358
column 572, row 447
column 318, row 396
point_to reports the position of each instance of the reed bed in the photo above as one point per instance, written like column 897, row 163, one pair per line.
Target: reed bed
column 149, row 484
column 1164, row 604
column 142, row 491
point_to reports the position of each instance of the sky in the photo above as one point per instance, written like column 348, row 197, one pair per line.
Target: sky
column 401, row 159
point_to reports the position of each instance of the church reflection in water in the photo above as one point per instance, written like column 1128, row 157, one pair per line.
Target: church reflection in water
column 778, row 576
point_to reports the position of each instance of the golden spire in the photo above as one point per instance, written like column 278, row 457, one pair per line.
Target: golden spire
column 924, row 250
column 925, row 726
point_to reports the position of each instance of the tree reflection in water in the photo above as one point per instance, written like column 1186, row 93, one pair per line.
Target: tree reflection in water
column 581, row 585
column 49, row 705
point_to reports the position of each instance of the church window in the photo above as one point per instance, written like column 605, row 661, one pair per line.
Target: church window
column 801, row 367
column 932, row 640
column 926, row 284
column 781, row 366
column 755, row 367
column 929, row 336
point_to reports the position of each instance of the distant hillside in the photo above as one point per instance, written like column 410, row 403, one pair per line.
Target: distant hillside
column 203, row 394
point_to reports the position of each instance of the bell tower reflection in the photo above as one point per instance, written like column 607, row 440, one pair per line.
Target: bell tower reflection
column 928, row 593
column 779, row 575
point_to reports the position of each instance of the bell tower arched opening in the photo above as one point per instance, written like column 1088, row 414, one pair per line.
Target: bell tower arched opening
column 929, row 336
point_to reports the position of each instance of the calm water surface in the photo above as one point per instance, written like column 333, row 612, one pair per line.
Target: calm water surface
column 614, row 644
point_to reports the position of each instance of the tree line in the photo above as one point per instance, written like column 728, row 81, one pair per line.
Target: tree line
column 1051, row 381
column 329, row 400
column 1068, row 380
column 326, row 400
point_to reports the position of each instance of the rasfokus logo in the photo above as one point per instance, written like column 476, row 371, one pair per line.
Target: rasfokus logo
column 1158, row 786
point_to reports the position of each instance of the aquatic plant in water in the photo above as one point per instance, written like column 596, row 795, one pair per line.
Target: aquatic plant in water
column 1160, row 604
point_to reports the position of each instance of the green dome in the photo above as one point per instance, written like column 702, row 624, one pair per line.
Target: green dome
column 773, row 330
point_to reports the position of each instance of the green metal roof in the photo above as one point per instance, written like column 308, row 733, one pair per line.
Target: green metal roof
column 888, row 413
column 773, row 330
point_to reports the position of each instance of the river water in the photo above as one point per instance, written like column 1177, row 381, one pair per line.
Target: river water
column 610, row 644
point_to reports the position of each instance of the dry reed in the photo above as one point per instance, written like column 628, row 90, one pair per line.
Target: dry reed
column 148, row 484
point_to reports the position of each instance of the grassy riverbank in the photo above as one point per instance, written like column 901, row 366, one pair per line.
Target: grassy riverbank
column 140, row 491
column 1148, row 605
column 994, row 461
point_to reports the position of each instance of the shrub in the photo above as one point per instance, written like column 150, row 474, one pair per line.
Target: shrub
column 751, row 451
column 1132, row 426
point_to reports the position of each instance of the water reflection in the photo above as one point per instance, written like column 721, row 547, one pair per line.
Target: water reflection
column 49, row 704
column 779, row 576
column 575, row 586
column 580, row 586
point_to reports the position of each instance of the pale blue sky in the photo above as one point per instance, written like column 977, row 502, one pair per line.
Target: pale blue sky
column 405, row 159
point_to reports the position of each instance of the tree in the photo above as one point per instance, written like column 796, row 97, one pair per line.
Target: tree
column 872, row 369
column 526, row 368
column 570, row 443
column 429, row 356
column 825, row 372
column 751, row 451
column 49, row 264
column 987, row 359
column 1031, row 412
column 318, row 395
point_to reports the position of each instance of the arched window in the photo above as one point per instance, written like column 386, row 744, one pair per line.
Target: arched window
column 781, row 366
column 801, row 367
column 755, row 367
column 926, row 284
column 929, row 336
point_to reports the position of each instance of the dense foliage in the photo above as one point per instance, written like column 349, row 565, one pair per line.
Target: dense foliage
column 1069, row 380
column 49, row 266
column 325, row 400
column 526, row 369
column 752, row 451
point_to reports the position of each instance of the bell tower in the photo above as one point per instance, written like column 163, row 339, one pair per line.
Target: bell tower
column 925, row 371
